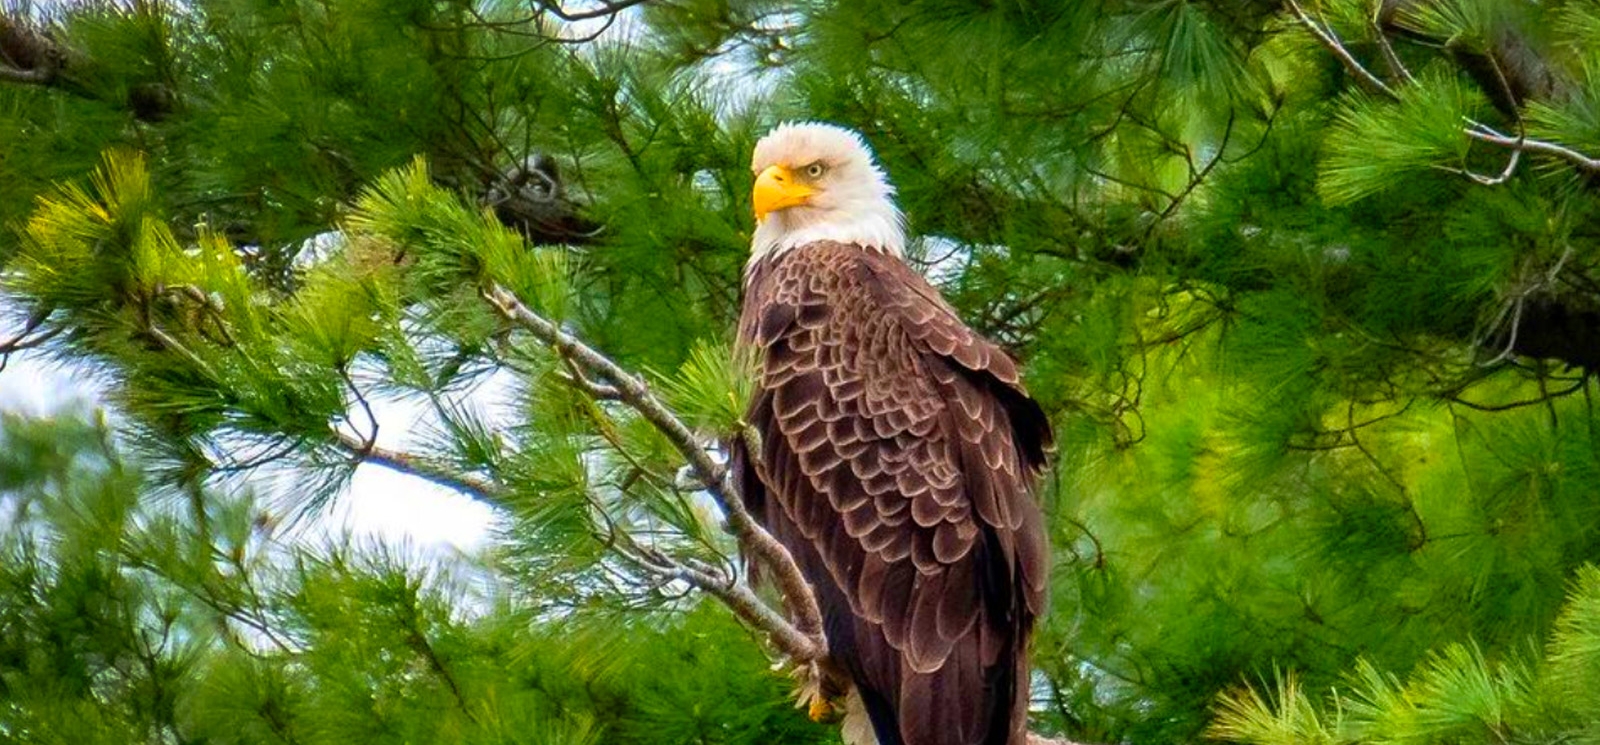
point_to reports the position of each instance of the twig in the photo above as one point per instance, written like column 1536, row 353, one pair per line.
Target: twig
column 1515, row 305
column 1396, row 66
column 21, row 341
column 1334, row 45
column 605, row 9
column 414, row 465
column 1484, row 133
column 369, row 441
column 1545, row 395
column 26, row 77
column 1197, row 177
column 633, row 391
column 1505, row 175
column 598, row 391
column 743, row 601
column 1511, row 337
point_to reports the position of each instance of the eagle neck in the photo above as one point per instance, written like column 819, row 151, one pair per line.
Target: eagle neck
column 880, row 228
column 764, row 262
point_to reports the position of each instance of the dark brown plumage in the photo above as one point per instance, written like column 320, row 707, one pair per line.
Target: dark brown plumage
column 898, row 456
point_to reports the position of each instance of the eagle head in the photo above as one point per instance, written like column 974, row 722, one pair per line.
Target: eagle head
column 818, row 182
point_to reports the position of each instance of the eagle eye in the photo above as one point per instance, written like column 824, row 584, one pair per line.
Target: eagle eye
column 815, row 170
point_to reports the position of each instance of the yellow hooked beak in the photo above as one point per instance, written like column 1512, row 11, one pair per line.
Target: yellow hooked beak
column 776, row 189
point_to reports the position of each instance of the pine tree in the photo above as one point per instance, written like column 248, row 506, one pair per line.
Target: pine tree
column 129, row 621
column 1309, row 289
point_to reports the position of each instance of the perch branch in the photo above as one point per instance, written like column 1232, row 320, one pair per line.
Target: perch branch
column 743, row 601
column 26, row 77
column 633, row 391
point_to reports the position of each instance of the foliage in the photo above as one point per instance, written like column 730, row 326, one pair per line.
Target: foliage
column 1455, row 695
column 1309, row 290
column 129, row 620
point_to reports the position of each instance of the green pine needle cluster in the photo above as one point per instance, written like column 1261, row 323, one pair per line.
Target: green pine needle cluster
column 1455, row 695
column 130, row 622
column 1312, row 302
column 1378, row 143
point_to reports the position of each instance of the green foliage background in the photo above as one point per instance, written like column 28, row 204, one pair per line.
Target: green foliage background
column 1317, row 348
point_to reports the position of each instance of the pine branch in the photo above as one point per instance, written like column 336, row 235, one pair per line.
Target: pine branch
column 1485, row 133
column 26, row 338
column 365, row 449
column 415, row 465
column 1332, row 43
column 26, row 77
column 606, row 10
column 802, row 640
column 743, row 601
column 1476, row 130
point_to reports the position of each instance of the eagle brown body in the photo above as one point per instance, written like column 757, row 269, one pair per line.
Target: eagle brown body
column 898, row 455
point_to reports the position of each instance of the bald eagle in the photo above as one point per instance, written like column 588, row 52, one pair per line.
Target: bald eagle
column 897, row 454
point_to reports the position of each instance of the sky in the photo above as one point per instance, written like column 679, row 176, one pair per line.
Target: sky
column 378, row 504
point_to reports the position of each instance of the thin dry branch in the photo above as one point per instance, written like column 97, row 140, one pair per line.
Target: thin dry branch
column 1396, row 66
column 1483, row 133
column 1475, row 130
column 26, row 77
column 1332, row 43
column 743, row 601
column 26, row 338
column 803, row 640
column 415, row 465
column 606, row 10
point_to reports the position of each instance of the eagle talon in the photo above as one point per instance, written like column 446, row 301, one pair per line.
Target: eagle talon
column 821, row 710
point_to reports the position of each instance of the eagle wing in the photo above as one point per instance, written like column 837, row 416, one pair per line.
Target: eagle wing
column 898, row 453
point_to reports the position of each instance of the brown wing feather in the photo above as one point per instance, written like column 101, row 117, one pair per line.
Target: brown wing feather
column 899, row 450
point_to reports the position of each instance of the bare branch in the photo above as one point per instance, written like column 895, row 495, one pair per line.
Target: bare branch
column 598, row 391
column 1396, row 66
column 27, row 77
column 23, row 340
column 1337, row 47
column 743, row 601
column 635, row 392
column 370, row 440
column 414, row 465
column 1505, row 175
column 1545, row 396
column 1485, row 133
column 606, row 9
